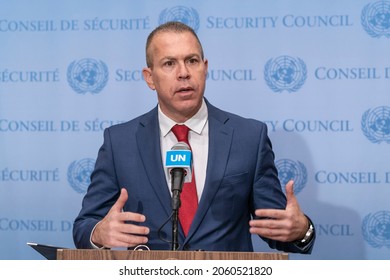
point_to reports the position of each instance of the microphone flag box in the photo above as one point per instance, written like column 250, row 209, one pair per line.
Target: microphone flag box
column 179, row 159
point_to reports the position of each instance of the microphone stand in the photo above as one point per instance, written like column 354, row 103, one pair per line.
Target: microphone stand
column 178, row 177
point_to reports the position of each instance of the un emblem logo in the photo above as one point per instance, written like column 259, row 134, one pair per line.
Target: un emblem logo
column 285, row 73
column 79, row 173
column 376, row 124
column 188, row 16
column 375, row 19
column 87, row 75
column 376, row 229
column 291, row 170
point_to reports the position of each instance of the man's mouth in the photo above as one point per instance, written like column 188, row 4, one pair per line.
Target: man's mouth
column 184, row 89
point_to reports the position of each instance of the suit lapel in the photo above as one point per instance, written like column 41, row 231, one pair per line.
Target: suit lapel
column 148, row 141
column 220, row 138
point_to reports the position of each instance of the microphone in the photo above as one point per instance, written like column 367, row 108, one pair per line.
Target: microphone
column 178, row 163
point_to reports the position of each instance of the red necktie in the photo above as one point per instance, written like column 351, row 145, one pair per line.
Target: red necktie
column 189, row 197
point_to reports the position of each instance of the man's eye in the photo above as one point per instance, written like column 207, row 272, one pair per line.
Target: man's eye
column 168, row 63
column 192, row 60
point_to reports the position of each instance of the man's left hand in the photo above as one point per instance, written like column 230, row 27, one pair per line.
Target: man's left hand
column 281, row 225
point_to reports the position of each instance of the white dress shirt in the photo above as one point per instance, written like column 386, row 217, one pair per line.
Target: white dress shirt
column 198, row 137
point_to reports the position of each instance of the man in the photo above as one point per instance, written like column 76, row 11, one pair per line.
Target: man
column 129, row 199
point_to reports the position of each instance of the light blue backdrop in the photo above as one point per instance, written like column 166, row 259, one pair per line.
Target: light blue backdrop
column 317, row 72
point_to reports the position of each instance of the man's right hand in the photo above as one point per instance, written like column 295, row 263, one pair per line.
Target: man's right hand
column 113, row 231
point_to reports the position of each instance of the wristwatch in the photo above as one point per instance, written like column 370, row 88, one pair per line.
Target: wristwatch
column 308, row 236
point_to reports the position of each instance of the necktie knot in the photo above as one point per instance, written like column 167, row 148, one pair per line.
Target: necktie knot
column 181, row 132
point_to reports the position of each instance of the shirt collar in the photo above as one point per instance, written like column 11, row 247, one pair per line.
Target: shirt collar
column 196, row 123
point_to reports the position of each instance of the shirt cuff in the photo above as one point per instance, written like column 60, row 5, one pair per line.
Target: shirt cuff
column 93, row 245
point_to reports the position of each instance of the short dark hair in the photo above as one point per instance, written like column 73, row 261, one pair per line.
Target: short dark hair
column 170, row 26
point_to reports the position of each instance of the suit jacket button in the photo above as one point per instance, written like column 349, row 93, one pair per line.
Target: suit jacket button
column 186, row 247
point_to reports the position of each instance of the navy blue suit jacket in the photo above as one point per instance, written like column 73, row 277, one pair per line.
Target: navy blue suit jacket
column 241, row 177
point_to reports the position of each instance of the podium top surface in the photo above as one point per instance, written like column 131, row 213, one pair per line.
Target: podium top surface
column 92, row 254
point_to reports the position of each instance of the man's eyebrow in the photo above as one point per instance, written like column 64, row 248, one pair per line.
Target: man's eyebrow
column 187, row 56
column 192, row 55
column 168, row 58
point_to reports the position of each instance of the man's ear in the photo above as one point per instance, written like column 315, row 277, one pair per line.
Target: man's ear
column 206, row 65
column 147, row 73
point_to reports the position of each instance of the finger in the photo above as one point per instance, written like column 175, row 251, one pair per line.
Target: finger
column 275, row 234
column 132, row 217
column 118, row 206
column 127, row 240
column 266, row 224
column 134, row 229
column 269, row 213
column 290, row 190
column 132, row 235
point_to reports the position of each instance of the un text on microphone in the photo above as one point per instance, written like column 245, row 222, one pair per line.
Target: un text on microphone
column 179, row 159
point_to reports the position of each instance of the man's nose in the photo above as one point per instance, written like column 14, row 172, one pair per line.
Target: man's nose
column 183, row 72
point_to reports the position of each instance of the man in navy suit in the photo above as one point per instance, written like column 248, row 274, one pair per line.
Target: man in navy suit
column 128, row 202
